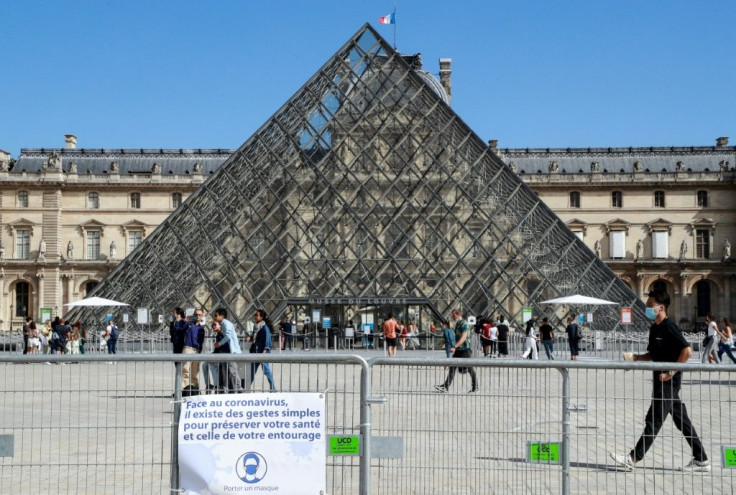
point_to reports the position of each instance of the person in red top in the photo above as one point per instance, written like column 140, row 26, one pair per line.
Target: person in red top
column 389, row 333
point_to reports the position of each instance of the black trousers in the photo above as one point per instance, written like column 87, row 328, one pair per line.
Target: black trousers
column 461, row 353
column 666, row 400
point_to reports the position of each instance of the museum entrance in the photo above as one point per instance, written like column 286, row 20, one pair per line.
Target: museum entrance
column 346, row 322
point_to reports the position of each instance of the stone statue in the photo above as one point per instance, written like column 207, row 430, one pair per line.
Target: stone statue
column 726, row 250
column 554, row 166
column 72, row 168
column 4, row 163
column 156, row 169
column 70, row 251
column 637, row 166
column 2, row 249
column 113, row 250
column 512, row 166
column 595, row 167
column 724, row 166
column 114, row 167
column 597, row 248
column 42, row 249
column 197, row 168
column 683, row 250
column 54, row 162
column 639, row 248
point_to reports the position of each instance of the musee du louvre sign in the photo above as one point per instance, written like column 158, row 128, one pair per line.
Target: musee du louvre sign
column 357, row 301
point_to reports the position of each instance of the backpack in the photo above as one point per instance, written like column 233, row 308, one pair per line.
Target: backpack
column 114, row 332
column 578, row 332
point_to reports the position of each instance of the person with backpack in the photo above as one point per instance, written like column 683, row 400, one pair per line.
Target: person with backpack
column 573, row 337
column 111, row 334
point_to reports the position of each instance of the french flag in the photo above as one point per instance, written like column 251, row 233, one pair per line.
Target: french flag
column 388, row 19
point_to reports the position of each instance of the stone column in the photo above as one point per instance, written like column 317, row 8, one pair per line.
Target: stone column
column 69, row 288
column 726, row 310
column 640, row 285
column 39, row 299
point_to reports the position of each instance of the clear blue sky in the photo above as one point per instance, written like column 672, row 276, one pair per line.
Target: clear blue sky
column 207, row 74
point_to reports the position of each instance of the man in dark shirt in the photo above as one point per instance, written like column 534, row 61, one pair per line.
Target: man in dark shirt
column 666, row 345
column 548, row 334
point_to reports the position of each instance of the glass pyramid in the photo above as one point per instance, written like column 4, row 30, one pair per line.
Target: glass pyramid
column 365, row 184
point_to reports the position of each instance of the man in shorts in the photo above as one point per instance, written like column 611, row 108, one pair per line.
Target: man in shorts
column 389, row 333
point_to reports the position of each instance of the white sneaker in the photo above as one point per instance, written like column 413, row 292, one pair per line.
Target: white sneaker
column 440, row 388
column 623, row 461
column 697, row 466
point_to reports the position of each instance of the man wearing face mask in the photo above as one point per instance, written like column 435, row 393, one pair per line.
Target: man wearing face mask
column 666, row 344
column 461, row 349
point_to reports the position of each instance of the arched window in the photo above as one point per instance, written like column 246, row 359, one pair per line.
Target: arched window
column 574, row 199
column 89, row 287
column 702, row 290
column 135, row 200
column 93, row 200
column 617, row 199
column 22, row 298
column 22, row 199
column 703, row 199
column 176, row 200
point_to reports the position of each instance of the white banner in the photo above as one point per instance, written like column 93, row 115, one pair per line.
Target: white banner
column 238, row 443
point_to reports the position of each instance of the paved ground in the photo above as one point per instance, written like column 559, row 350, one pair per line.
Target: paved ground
column 106, row 428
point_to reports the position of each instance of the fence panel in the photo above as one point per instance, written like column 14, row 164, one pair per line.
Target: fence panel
column 99, row 424
column 461, row 442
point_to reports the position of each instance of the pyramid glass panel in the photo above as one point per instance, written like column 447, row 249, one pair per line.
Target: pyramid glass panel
column 365, row 186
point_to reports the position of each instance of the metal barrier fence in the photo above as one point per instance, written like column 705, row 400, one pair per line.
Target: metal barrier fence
column 99, row 424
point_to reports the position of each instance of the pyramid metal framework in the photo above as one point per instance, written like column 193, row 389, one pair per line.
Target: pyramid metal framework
column 364, row 184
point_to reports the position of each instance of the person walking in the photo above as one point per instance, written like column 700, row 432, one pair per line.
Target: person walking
column 27, row 334
column 726, row 341
column 390, row 327
column 503, row 336
column 461, row 349
column 548, row 335
column 231, row 378
column 710, row 344
column 573, row 337
column 112, row 334
column 666, row 345
column 263, row 346
column 530, row 346
column 449, row 336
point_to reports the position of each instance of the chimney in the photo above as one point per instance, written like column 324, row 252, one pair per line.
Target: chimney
column 722, row 141
column 70, row 141
column 493, row 143
column 445, row 73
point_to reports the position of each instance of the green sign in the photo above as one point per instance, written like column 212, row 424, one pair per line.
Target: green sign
column 45, row 314
column 729, row 457
column 544, row 452
column 344, row 445
column 526, row 314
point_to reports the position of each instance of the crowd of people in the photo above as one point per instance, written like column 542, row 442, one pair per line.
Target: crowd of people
column 58, row 336
column 187, row 334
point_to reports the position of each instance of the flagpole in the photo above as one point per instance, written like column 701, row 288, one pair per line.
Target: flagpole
column 394, row 14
